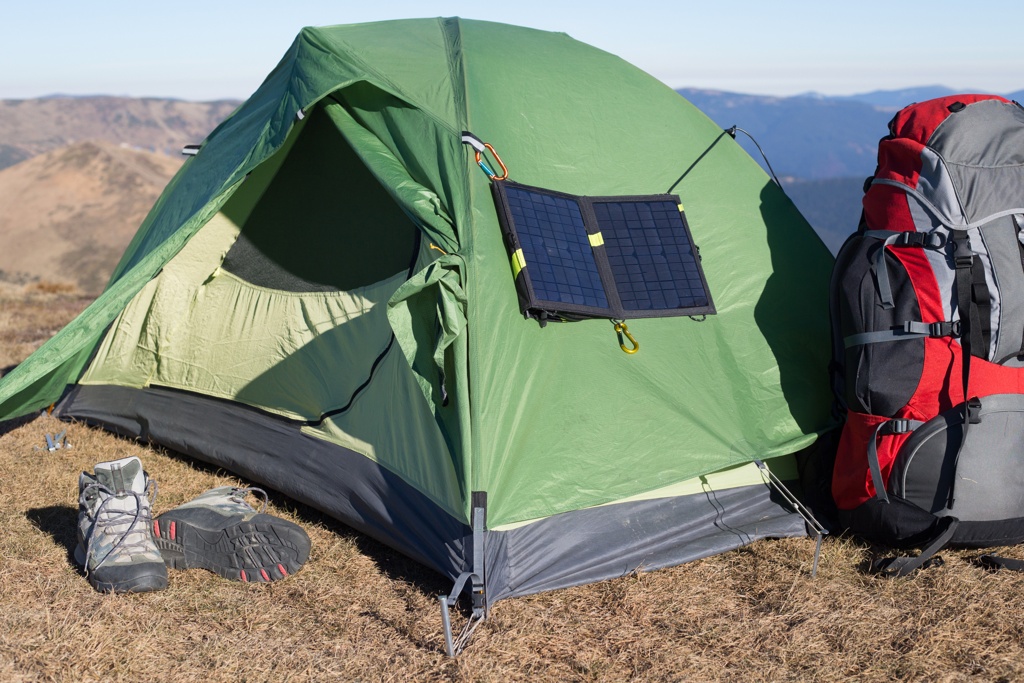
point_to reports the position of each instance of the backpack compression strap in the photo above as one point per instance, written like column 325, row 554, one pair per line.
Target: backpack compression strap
column 892, row 567
column 908, row 330
column 963, row 259
column 897, row 426
column 990, row 561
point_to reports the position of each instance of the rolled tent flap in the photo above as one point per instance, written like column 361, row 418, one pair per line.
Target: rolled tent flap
column 427, row 314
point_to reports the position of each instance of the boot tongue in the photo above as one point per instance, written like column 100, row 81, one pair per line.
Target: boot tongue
column 121, row 476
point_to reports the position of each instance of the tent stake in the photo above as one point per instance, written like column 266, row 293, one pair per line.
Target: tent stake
column 776, row 483
column 453, row 646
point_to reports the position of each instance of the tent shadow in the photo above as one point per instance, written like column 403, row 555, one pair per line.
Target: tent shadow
column 742, row 536
column 801, row 270
column 391, row 563
column 8, row 426
column 60, row 522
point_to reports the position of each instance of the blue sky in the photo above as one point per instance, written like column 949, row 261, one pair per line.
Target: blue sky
column 209, row 50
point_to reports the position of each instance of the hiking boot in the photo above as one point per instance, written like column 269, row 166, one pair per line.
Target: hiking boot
column 115, row 529
column 221, row 532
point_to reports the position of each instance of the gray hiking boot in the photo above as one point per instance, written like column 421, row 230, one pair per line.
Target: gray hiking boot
column 115, row 529
column 219, row 531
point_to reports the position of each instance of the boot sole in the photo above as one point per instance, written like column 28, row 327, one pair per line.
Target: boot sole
column 259, row 549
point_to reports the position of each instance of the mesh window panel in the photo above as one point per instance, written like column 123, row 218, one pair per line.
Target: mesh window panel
column 651, row 255
column 554, row 241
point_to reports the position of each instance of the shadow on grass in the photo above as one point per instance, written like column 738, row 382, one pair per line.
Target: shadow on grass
column 61, row 522
column 393, row 564
column 7, row 426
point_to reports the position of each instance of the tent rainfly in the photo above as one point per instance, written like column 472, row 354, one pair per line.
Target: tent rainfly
column 333, row 298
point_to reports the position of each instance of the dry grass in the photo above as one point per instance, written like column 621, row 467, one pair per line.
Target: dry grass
column 30, row 314
column 358, row 611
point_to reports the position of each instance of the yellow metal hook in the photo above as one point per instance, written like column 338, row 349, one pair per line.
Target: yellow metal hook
column 621, row 330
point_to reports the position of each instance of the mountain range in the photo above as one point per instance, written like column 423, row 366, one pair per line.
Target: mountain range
column 78, row 174
column 31, row 127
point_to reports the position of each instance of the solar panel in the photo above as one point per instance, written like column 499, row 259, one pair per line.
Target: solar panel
column 616, row 257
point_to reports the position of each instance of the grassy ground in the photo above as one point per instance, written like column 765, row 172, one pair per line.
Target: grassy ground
column 358, row 611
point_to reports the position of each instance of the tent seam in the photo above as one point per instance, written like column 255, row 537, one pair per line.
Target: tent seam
column 451, row 29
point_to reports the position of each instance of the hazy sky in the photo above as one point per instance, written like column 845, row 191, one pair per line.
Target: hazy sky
column 219, row 49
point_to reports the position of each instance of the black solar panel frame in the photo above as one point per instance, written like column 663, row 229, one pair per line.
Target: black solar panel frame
column 534, row 306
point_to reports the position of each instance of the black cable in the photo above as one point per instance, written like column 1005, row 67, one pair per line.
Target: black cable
column 732, row 132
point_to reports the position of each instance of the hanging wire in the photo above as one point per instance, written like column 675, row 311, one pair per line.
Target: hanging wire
column 732, row 132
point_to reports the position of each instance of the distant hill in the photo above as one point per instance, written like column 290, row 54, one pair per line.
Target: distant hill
column 69, row 213
column 79, row 174
column 831, row 205
column 31, row 127
column 894, row 100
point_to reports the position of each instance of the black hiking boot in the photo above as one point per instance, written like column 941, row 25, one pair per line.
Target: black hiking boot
column 219, row 531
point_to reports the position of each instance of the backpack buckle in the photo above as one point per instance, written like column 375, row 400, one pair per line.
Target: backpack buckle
column 974, row 410
column 944, row 329
column 941, row 328
column 963, row 257
column 900, row 426
column 925, row 240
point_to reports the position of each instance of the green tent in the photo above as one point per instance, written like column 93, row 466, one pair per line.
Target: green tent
column 325, row 300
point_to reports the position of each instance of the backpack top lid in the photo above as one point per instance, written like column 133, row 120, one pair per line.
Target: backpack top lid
column 919, row 120
column 963, row 153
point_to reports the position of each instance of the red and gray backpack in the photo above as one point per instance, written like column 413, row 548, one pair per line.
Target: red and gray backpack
column 927, row 304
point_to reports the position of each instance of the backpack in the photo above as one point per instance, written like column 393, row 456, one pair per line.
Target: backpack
column 927, row 306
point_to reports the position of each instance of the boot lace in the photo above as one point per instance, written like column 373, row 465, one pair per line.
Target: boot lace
column 238, row 496
column 134, row 537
